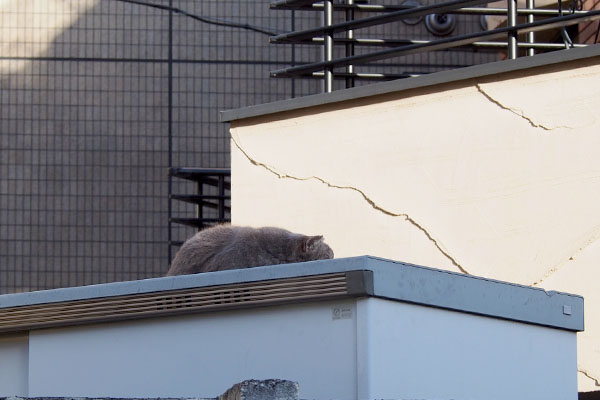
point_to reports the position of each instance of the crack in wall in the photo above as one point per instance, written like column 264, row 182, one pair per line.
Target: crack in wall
column 553, row 270
column 548, row 274
column 517, row 112
column 370, row 201
column 588, row 375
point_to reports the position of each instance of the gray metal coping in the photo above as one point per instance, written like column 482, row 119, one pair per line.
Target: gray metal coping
column 476, row 71
column 392, row 280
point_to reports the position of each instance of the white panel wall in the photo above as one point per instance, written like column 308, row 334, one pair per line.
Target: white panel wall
column 428, row 353
column 201, row 355
column 358, row 349
column 14, row 356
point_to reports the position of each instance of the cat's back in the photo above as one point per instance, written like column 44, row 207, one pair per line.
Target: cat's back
column 225, row 247
column 198, row 250
column 213, row 238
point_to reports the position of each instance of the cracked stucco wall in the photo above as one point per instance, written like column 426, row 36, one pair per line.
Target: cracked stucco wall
column 498, row 177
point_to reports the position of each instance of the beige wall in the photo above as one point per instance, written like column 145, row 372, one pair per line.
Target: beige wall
column 498, row 177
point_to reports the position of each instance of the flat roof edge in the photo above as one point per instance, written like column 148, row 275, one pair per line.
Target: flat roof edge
column 336, row 278
column 180, row 282
column 455, row 75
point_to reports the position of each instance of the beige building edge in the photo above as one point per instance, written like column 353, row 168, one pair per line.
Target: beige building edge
column 494, row 174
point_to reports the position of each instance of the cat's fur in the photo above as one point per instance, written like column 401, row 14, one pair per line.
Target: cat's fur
column 225, row 247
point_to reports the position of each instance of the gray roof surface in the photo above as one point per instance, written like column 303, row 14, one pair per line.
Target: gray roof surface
column 392, row 280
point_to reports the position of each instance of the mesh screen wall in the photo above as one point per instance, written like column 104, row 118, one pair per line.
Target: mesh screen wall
column 94, row 95
column 98, row 99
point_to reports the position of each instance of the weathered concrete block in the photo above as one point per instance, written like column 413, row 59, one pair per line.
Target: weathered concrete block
column 101, row 398
column 269, row 389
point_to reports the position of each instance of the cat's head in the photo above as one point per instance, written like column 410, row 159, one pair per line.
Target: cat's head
column 314, row 248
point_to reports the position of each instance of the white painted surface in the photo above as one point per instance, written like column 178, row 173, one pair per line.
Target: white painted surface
column 415, row 352
column 496, row 176
column 14, row 359
column 200, row 355
column 358, row 349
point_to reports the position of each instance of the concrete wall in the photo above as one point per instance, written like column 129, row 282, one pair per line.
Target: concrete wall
column 496, row 176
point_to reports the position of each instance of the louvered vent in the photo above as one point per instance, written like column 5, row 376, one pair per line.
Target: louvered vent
column 201, row 299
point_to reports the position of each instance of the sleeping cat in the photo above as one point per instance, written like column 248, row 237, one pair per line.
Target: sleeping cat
column 225, row 247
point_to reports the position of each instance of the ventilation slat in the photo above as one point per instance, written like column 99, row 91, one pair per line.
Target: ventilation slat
column 175, row 302
column 179, row 302
column 290, row 283
column 167, row 300
column 223, row 292
column 85, row 318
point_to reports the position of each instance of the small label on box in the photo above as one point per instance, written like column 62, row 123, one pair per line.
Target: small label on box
column 341, row 312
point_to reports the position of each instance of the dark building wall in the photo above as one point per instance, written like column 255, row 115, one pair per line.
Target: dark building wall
column 86, row 121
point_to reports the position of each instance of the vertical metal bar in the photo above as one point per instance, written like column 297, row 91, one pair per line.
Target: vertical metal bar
column 328, row 45
column 350, row 46
column 512, row 36
column 200, row 205
column 530, row 35
column 170, row 133
column 563, row 31
column 293, row 24
column 222, row 197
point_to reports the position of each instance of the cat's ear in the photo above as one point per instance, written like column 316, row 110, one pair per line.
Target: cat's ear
column 309, row 242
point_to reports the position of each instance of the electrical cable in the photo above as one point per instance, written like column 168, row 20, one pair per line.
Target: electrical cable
column 563, row 31
column 207, row 20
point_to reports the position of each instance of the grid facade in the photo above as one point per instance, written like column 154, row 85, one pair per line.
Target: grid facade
column 99, row 98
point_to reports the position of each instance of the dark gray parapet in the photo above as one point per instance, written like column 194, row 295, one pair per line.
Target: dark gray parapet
column 423, row 81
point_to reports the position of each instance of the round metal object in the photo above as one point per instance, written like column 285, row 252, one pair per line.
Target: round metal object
column 440, row 24
column 412, row 4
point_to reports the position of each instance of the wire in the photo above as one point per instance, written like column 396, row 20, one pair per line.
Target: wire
column 563, row 32
column 206, row 20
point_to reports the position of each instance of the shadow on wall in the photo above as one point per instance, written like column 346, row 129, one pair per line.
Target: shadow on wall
column 84, row 185
column 87, row 121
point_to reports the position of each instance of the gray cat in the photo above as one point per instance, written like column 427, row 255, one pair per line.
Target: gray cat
column 225, row 247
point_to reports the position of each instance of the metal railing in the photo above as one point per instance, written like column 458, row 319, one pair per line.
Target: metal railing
column 501, row 38
column 212, row 198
